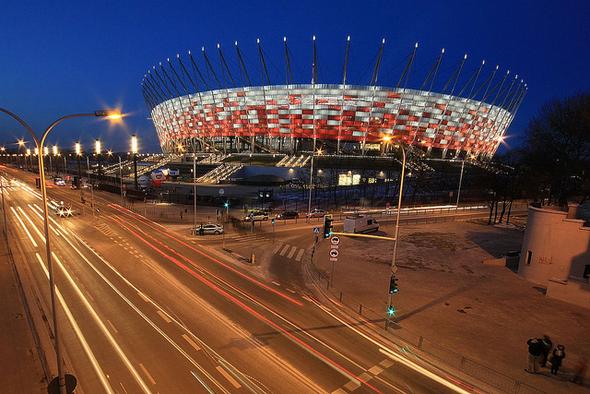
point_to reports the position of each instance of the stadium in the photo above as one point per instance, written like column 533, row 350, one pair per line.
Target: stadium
column 197, row 107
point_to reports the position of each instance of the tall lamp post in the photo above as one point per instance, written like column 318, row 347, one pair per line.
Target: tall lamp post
column 134, row 150
column 97, row 150
column 319, row 152
column 390, row 307
column 78, row 151
column 28, row 154
column 55, row 152
column 41, row 145
column 21, row 146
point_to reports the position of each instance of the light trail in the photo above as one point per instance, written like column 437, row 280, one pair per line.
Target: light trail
column 215, row 260
column 256, row 314
column 385, row 350
column 24, row 227
column 103, row 328
column 97, row 368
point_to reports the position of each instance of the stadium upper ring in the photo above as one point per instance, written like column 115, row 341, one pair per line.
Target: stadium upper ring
column 198, row 107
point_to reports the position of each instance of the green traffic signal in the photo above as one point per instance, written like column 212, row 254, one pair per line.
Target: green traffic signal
column 391, row 311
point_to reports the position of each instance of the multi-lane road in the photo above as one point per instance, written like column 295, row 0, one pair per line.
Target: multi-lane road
column 145, row 309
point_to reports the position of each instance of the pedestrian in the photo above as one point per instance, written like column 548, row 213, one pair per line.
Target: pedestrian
column 580, row 371
column 547, row 345
column 535, row 352
column 556, row 358
column 180, row 215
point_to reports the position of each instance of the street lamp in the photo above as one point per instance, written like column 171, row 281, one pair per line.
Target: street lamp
column 41, row 145
column 55, row 152
column 97, row 151
column 390, row 307
column 28, row 154
column 134, row 150
column 78, row 150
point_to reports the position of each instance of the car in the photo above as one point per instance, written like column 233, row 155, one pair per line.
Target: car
column 59, row 181
column 316, row 213
column 256, row 216
column 287, row 215
column 209, row 228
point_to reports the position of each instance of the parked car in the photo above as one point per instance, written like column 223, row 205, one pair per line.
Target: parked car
column 209, row 228
column 287, row 215
column 256, row 216
column 316, row 213
column 58, row 181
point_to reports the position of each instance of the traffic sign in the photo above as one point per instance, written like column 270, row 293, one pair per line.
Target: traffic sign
column 333, row 253
column 335, row 240
column 316, row 230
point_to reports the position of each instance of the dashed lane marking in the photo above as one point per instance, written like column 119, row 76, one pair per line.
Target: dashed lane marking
column 191, row 342
column 112, row 326
column 386, row 363
column 276, row 248
column 275, row 283
column 228, row 377
column 164, row 316
column 143, row 296
column 146, row 373
column 375, row 370
column 352, row 385
column 291, row 291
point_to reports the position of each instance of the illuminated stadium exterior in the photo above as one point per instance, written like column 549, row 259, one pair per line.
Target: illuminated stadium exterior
column 468, row 117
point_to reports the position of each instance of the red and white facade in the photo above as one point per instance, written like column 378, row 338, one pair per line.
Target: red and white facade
column 287, row 118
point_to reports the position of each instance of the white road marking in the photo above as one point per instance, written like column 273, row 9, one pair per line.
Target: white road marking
column 147, row 373
column 191, row 342
column 164, row 316
column 24, row 227
column 275, row 283
column 292, row 252
column 143, row 296
column 383, row 349
column 103, row 328
column 112, row 326
column 300, row 254
column 276, row 248
column 228, row 377
column 284, row 250
column 97, row 368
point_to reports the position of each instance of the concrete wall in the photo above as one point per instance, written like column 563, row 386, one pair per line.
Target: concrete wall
column 572, row 291
column 554, row 247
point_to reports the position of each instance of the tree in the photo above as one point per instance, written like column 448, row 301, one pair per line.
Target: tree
column 555, row 160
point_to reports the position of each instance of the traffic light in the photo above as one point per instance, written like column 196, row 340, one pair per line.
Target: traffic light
column 328, row 226
column 226, row 204
column 393, row 289
column 391, row 311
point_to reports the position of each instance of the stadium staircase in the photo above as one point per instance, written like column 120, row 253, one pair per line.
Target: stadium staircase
column 113, row 169
column 293, row 161
column 220, row 173
column 161, row 161
column 214, row 159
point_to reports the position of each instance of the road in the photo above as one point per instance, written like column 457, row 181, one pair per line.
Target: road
column 143, row 309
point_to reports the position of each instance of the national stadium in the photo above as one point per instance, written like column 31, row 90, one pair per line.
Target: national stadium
column 209, row 103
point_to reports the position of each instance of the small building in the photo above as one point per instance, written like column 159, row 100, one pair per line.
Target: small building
column 556, row 252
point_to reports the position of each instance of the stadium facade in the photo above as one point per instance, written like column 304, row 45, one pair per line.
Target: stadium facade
column 468, row 116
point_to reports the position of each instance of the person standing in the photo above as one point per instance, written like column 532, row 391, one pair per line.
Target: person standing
column 556, row 358
column 547, row 345
column 535, row 353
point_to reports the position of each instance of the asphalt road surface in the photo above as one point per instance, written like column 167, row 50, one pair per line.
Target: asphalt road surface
column 143, row 309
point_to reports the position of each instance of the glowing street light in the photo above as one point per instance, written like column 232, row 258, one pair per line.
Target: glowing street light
column 54, row 150
column 134, row 150
column 97, row 147
column 78, row 148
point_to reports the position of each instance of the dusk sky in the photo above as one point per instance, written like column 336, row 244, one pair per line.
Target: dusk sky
column 66, row 57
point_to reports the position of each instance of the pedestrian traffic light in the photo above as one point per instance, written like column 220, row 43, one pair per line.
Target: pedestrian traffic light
column 393, row 289
column 391, row 311
column 327, row 226
column 226, row 204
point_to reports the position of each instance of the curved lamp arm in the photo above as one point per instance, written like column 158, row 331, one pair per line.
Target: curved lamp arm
column 22, row 123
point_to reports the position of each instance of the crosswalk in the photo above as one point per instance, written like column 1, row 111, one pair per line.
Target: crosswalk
column 289, row 251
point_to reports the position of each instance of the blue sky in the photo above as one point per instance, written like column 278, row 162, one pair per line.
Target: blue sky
column 61, row 57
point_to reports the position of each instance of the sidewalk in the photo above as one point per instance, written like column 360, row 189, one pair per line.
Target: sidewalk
column 21, row 367
column 474, row 317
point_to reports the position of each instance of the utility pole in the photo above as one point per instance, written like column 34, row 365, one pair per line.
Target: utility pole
column 460, row 182
column 390, row 308
column 194, row 191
